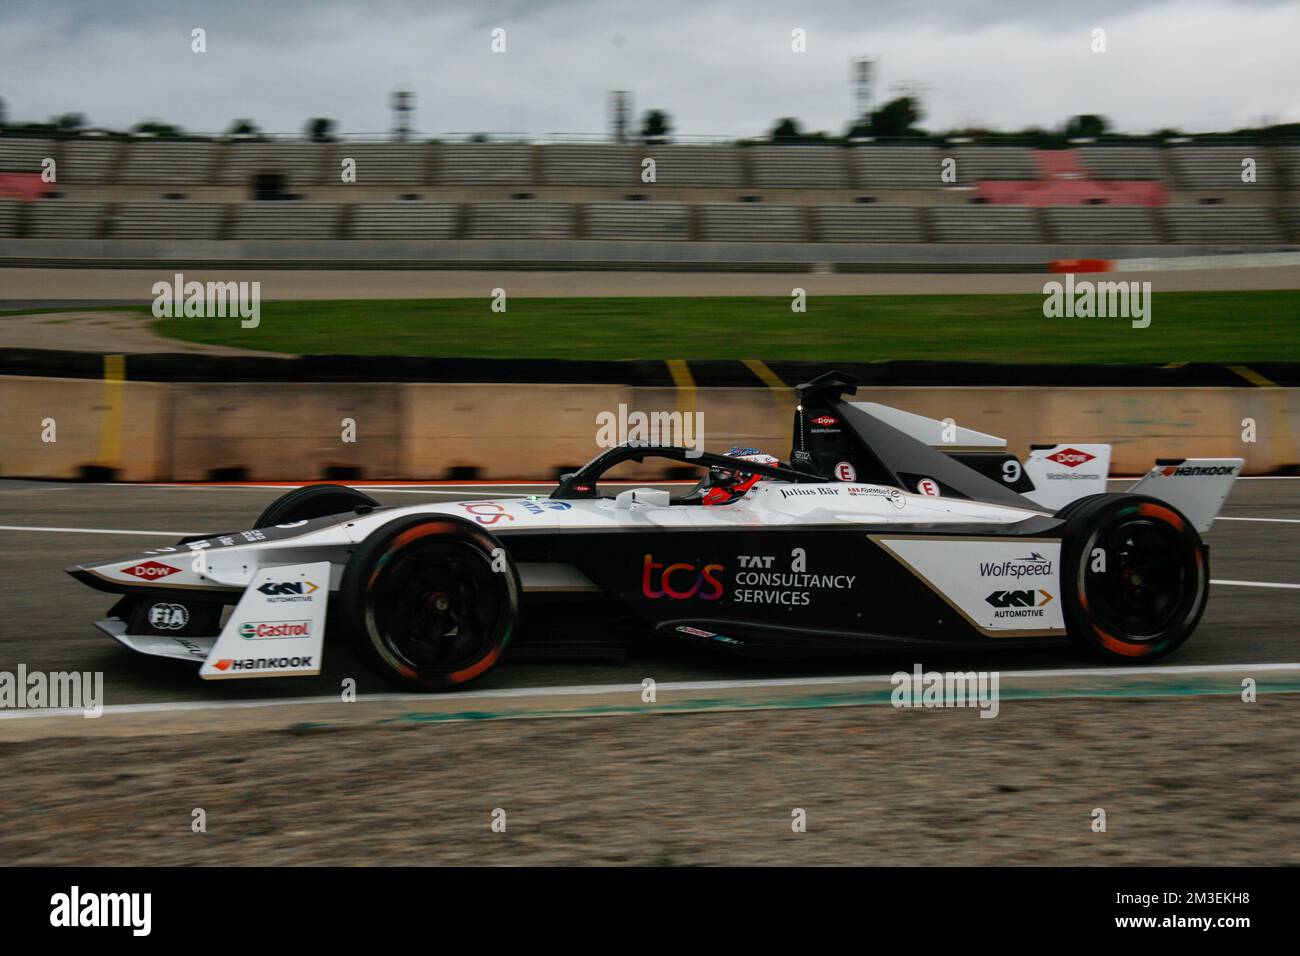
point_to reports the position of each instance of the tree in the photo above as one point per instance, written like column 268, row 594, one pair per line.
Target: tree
column 70, row 121
column 320, row 130
column 895, row 118
column 1086, row 126
column 158, row 128
column 243, row 127
column 786, row 129
column 656, row 125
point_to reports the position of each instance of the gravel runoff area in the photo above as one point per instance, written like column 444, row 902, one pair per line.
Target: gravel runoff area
column 1183, row 781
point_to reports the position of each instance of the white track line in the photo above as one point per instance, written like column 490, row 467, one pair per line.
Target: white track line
column 1274, row 520
column 153, row 534
column 1256, row 584
column 637, row 689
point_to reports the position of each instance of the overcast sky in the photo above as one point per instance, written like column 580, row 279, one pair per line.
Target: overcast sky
column 719, row 67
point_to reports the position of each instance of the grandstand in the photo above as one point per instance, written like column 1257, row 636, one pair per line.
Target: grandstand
column 873, row 195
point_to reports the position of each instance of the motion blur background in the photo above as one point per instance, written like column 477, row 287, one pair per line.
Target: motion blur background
column 478, row 227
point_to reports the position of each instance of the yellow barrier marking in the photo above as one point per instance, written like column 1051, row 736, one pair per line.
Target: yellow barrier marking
column 685, row 382
column 780, row 391
column 110, row 427
column 768, row 377
column 1250, row 375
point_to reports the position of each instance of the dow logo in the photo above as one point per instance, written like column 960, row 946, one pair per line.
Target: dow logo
column 1071, row 457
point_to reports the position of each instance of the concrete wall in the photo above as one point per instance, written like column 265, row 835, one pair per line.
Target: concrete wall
column 147, row 431
column 584, row 254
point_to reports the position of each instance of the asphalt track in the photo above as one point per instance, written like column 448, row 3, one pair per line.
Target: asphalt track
column 47, row 615
column 22, row 288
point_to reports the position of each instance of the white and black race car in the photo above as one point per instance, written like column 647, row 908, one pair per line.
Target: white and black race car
column 884, row 528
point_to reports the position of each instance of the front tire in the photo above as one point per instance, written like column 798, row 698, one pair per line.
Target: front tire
column 1135, row 577
column 429, row 602
column 313, row 501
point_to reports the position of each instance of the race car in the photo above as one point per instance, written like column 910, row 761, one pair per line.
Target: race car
column 883, row 528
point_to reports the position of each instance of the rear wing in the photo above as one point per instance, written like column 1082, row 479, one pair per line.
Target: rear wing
column 1197, row 487
column 869, row 442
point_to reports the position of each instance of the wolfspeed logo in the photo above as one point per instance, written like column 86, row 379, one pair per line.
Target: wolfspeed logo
column 264, row 663
column 270, row 630
column 150, row 570
column 1035, row 565
column 1071, row 457
column 1023, row 603
column 1187, row 471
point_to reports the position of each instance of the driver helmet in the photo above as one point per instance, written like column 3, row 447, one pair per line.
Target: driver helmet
column 729, row 484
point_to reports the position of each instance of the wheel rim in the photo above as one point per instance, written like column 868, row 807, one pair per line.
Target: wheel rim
column 1149, row 577
column 435, row 605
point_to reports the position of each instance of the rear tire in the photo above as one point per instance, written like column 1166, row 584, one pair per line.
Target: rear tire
column 1140, row 596
column 429, row 602
column 313, row 501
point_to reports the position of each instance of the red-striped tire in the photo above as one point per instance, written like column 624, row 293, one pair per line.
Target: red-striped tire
column 1135, row 577
column 430, row 602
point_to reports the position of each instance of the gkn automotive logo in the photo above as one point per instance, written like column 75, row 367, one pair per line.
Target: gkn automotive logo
column 1034, row 565
column 1027, row 602
column 281, row 591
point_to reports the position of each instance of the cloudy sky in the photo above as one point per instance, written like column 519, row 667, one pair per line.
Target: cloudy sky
column 719, row 67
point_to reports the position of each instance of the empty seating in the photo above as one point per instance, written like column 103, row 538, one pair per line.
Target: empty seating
column 8, row 218
column 975, row 163
column 984, row 223
column 404, row 219
column 1218, row 167
column 595, row 165
column 1214, row 224
column 290, row 219
column 1290, row 157
column 521, row 219
column 298, row 163
column 1101, row 224
column 89, row 161
column 1122, row 162
column 166, row 219
column 637, row 220
column 693, row 165
column 1291, row 217
column 468, row 164
column 810, row 167
column 169, row 163
column 24, row 155
column 753, row 222
column 867, row 222
column 381, row 163
column 66, row 219
column 897, row 166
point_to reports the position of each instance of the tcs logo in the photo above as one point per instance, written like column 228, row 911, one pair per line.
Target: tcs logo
column 680, row 581
column 488, row 512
